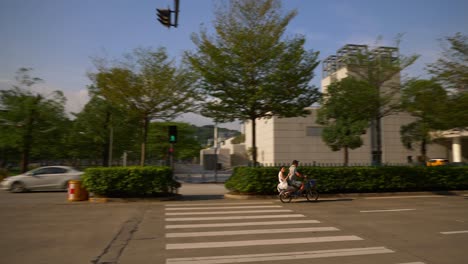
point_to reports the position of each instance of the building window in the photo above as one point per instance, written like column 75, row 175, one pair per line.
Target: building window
column 314, row 131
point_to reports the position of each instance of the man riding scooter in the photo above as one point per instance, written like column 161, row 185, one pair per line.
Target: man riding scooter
column 293, row 176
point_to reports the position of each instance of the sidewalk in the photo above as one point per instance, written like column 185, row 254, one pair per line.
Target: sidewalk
column 202, row 191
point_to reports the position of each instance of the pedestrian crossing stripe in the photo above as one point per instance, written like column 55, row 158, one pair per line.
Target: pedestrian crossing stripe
column 222, row 207
column 288, row 222
column 246, row 243
column 252, row 232
column 234, row 217
column 232, row 212
column 215, row 204
column 280, row 256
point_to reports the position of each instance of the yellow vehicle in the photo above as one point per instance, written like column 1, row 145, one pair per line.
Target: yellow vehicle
column 437, row 162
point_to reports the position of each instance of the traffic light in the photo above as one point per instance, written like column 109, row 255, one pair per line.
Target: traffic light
column 164, row 16
column 172, row 134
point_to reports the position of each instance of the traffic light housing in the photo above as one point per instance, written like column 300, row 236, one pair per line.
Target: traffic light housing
column 164, row 16
column 172, row 134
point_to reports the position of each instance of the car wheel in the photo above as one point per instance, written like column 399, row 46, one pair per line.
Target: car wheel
column 17, row 187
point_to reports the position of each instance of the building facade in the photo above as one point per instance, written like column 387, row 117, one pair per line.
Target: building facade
column 281, row 140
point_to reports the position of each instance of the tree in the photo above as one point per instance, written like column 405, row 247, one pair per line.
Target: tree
column 249, row 69
column 452, row 68
column 186, row 148
column 347, row 108
column 97, row 125
column 149, row 85
column 33, row 122
column 381, row 67
column 427, row 101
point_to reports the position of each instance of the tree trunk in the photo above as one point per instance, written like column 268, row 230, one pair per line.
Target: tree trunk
column 379, row 141
column 346, row 155
column 105, row 146
column 28, row 137
column 145, row 138
column 254, row 143
column 423, row 149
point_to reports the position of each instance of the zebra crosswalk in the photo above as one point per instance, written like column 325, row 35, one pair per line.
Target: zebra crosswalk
column 256, row 232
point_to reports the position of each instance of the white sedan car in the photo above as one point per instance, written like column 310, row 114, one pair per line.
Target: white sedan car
column 49, row 178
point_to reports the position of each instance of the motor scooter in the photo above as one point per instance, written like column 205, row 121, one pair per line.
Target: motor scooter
column 309, row 191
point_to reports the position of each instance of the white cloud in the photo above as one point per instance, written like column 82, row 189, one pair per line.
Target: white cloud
column 76, row 100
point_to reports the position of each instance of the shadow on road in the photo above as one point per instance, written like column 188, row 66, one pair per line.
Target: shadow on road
column 326, row 200
column 201, row 197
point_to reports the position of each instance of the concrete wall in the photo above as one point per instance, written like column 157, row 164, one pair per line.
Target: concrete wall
column 281, row 140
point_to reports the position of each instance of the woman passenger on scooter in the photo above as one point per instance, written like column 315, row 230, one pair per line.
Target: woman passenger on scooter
column 283, row 179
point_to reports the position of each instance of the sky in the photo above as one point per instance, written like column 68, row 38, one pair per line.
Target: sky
column 59, row 38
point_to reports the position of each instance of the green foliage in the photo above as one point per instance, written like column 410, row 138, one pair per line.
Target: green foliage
column 250, row 180
column 249, row 70
column 186, row 148
column 355, row 179
column 31, row 124
column 148, row 84
column 91, row 132
column 347, row 108
column 129, row 181
column 451, row 69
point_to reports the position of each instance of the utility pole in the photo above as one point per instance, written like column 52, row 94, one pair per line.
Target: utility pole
column 216, row 152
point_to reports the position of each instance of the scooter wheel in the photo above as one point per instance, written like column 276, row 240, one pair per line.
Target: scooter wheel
column 285, row 197
column 312, row 195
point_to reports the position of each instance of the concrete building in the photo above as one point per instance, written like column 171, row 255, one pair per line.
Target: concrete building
column 281, row 140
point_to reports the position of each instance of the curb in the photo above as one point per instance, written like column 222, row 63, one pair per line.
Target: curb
column 129, row 200
column 352, row 195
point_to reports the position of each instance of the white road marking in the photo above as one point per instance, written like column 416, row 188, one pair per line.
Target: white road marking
column 413, row 263
column 234, row 217
column 389, row 210
column 222, row 207
column 232, row 212
column 404, row 197
column 215, row 204
column 246, row 243
column 454, row 232
column 288, row 222
column 281, row 256
column 252, row 232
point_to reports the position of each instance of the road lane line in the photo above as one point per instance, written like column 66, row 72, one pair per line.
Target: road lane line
column 232, row 212
column 246, row 243
column 222, row 207
column 234, row 217
column 288, row 222
column 404, row 197
column 454, row 232
column 281, row 256
column 252, row 232
column 388, row 210
column 215, row 204
column 413, row 263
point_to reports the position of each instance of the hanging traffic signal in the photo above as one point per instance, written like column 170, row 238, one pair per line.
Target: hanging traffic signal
column 172, row 134
column 164, row 16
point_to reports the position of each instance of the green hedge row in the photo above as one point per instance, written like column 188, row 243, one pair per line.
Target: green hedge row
column 355, row 179
column 129, row 181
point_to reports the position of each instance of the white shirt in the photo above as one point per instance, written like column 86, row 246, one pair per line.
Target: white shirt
column 280, row 177
column 292, row 173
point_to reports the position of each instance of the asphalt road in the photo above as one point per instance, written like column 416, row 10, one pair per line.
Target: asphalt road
column 204, row 228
